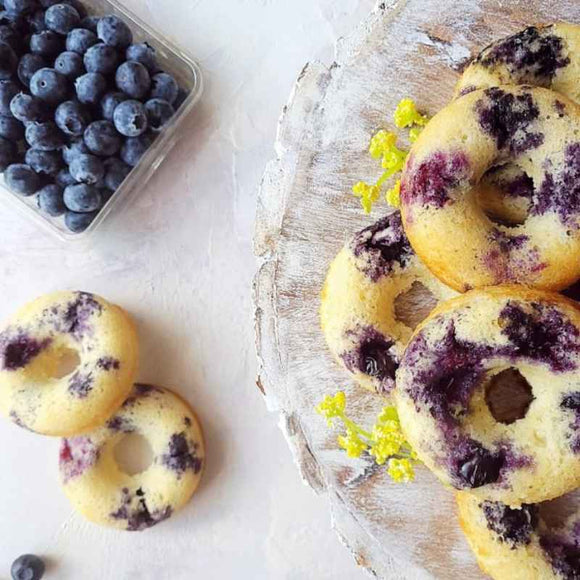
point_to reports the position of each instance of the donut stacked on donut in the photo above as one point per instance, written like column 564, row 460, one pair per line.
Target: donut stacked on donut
column 95, row 405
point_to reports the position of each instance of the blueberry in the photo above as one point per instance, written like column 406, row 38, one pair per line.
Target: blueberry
column 72, row 118
column 159, row 113
column 19, row 6
column 182, row 95
column 44, row 136
column 14, row 20
column 49, row 85
column 8, row 90
column 87, row 169
column 102, row 138
column 36, row 21
column 82, row 198
column 49, row 3
column 62, row 18
column 8, row 61
column 46, row 162
column 164, row 86
column 110, row 102
column 117, row 171
column 11, row 128
column 73, row 149
column 130, row 118
column 143, row 53
column 50, row 200
column 101, row 58
column 90, row 88
column 27, row 567
column 7, row 153
column 114, row 32
column 69, row 64
column 135, row 147
column 64, row 178
column 79, row 222
column 11, row 37
column 46, row 43
column 80, row 40
column 133, row 79
column 90, row 23
column 22, row 179
column 26, row 108
column 78, row 6
column 28, row 65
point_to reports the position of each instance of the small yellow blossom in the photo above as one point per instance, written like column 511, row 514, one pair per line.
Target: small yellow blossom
column 368, row 194
column 332, row 407
column 393, row 195
column 406, row 115
column 352, row 443
column 401, row 470
column 394, row 160
column 381, row 142
column 414, row 133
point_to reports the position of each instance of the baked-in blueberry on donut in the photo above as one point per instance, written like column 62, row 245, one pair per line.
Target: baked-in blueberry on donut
column 518, row 543
column 544, row 56
column 449, row 378
column 358, row 314
column 66, row 327
column 101, row 491
column 483, row 130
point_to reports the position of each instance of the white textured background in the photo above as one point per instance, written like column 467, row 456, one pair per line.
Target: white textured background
column 181, row 261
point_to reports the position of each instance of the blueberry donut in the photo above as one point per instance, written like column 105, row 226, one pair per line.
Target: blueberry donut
column 532, row 129
column 527, row 338
column 103, row 493
column 34, row 343
column 517, row 543
column 358, row 314
column 543, row 56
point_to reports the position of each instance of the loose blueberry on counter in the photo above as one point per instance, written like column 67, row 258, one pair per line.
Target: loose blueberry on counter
column 22, row 179
column 8, row 61
column 117, row 171
column 11, row 129
column 49, row 85
column 50, row 200
column 133, row 79
column 87, row 169
column 90, row 23
column 28, row 65
column 159, row 113
column 62, row 18
column 101, row 58
column 143, row 53
column 64, row 178
column 7, row 153
column 79, row 222
column 130, row 118
column 45, row 136
column 110, row 102
column 73, row 149
column 135, row 147
column 44, row 162
column 8, row 90
column 70, row 64
column 47, row 43
column 72, row 118
column 164, row 86
column 82, row 198
column 26, row 108
column 27, row 567
column 90, row 88
column 102, row 138
column 80, row 40
column 114, row 32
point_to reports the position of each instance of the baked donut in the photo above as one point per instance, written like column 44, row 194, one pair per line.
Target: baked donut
column 357, row 309
column 532, row 129
column 444, row 381
column 517, row 544
column 543, row 56
column 98, row 488
column 34, row 342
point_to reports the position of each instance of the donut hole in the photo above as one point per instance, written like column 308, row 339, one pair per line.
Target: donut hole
column 133, row 454
column 508, row 396
column 414, row 305
column 67, row 362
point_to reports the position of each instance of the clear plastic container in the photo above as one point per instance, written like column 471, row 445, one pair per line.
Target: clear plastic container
column 172, row 60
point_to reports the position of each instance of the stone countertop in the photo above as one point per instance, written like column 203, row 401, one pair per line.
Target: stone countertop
column 180, row 260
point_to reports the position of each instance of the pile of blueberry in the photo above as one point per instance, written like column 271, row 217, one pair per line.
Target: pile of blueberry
column 79, row 105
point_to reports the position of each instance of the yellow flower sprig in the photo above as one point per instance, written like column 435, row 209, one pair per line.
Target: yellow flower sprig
column 385, row 442
column 383, row 146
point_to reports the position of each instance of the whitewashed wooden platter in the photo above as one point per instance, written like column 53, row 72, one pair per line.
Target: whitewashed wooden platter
column 305, row 212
